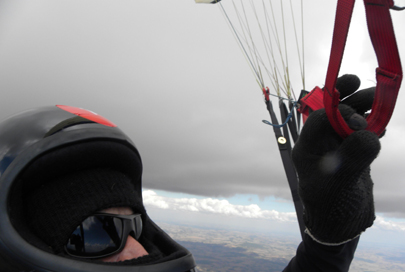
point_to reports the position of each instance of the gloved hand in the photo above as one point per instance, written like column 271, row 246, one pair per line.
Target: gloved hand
column 335, row 185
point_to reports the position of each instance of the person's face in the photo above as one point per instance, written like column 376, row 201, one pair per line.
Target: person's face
column 133, row 249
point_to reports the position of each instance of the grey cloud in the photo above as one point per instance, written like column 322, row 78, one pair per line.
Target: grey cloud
column 171, row 76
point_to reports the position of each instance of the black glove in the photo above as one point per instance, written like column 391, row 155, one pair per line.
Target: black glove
column 334, row 173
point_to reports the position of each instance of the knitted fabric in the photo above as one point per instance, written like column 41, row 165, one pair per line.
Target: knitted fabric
column 347, row 84
column 335, row 185
column 57, row 207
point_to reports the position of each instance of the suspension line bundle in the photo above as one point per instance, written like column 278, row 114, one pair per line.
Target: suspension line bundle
column 389, row 77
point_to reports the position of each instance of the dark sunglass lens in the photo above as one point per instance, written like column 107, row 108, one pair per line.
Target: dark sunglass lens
column 96, row 236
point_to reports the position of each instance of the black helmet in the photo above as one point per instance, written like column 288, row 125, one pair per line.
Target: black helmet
column 58, row 138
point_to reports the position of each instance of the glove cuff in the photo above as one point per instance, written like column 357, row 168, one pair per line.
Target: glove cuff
column 329, row 227
column 329, row 244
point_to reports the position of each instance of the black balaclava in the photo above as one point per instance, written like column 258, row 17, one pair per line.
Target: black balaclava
column 57, row 207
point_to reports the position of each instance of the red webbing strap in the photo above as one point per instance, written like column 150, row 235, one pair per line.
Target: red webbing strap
column 331, row 100
column 389, row 73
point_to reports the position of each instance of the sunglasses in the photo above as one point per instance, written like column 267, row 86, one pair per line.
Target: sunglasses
column 103, row 234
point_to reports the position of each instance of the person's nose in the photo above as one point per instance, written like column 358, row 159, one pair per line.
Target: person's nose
column 132, row 250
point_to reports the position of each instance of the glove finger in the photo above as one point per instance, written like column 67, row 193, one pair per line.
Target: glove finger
column 361, row 101
column 318, row 135
column 355, row 154
column 347, row 85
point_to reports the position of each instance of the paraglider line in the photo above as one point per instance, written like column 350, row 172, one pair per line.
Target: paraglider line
column 237, row 36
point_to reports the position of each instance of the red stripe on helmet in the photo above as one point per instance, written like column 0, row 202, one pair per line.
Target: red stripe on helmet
column 88, row 115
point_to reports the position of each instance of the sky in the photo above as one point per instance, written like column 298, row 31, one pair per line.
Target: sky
column 171, row 75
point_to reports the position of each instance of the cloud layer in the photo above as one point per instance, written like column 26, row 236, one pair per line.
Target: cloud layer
column 381, row 223
column 252, row 211
column 215, row 206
